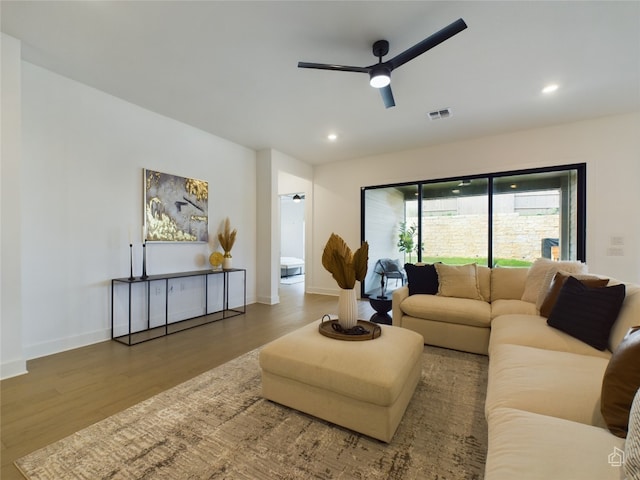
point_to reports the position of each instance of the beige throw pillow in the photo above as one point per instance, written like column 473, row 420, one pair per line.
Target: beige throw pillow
column 541, row 274
column 458, row 281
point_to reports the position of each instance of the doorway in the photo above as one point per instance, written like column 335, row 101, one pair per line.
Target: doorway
column 292, row 240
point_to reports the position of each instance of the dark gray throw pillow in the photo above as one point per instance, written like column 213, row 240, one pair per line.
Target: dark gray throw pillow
column 422, row 278
column 587, row 313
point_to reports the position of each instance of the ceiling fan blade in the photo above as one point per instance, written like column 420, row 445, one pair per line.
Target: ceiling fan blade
column 428, row 43
column 339, row 68
column 387, row 97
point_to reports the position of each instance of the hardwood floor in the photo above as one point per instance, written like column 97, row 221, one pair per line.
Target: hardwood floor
column 66, row 392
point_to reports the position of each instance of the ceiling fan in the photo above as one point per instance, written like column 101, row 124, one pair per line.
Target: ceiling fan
column 380, row 73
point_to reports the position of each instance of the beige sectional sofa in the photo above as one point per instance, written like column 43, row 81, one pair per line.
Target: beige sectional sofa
column 463, row 323
column 543, row 404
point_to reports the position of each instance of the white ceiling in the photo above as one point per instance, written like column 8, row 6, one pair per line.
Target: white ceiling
column 230, row 68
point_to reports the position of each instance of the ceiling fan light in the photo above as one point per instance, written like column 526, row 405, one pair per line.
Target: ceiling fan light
column 379, row 77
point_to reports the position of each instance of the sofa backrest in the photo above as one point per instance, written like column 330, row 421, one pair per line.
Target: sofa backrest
column 484, row 282
column 507, row 283
column 629, row 315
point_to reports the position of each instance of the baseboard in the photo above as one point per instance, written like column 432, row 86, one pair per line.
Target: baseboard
column 267, row 300
column 13, row 369
column 63, row 344
column 323, row 291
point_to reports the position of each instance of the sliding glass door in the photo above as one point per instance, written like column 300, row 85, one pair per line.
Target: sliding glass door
column 387, row 212
column 497, row 219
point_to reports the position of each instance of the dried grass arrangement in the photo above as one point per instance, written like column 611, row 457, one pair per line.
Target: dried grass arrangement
column 345, row 266
column 227, row 238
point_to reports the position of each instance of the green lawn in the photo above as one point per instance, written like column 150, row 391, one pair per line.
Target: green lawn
column 502, row 262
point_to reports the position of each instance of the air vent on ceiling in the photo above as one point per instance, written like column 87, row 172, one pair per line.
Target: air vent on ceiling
column 438, row 114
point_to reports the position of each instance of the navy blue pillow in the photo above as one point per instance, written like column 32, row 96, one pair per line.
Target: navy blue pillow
column 587, row 313
column 421, row 278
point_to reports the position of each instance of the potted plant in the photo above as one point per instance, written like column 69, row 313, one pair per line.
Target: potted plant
column 406, row 243
column 346, row 267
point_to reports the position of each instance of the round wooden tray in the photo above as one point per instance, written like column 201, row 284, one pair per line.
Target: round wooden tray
column 326, row 329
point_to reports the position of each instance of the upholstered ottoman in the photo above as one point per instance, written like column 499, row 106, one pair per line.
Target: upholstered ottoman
column 361, row 385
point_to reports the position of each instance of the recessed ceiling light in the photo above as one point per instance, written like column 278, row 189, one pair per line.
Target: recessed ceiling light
column 550, row 88
column 332, row 137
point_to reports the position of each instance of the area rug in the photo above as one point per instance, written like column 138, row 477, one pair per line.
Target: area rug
column 292, row 279
column 218, row 426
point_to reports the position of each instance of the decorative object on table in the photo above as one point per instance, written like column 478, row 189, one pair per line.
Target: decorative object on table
column 346, row 267
column 176, row 208
column 216, row 259
column 382, row 307
column 362, row 331
column 227, row 238
column 144, row 275
column 131, row 262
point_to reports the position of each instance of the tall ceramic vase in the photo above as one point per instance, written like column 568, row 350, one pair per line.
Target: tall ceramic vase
column 347, row 308
column 226, row 261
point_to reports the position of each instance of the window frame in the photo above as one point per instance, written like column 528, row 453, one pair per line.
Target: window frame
column 581, row 207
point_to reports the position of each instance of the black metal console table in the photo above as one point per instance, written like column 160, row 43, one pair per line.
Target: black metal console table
column 149, row 332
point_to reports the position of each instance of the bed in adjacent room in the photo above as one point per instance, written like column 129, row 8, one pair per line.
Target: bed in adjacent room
column 291, row 266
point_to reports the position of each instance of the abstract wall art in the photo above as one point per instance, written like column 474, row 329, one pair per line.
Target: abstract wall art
column 176, row 209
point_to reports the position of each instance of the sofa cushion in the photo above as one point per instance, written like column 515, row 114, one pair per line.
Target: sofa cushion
column 538, row 281
column 484, row 282
column 557, row 283
column 621, row 382
column 507, row 283
column 587, row 313
column 421, row 279
column 632, row 445
column 505, row 307
column 533, row 331
column 558, row 384
column 460, row 281
column 448, row 309
column 529, row 446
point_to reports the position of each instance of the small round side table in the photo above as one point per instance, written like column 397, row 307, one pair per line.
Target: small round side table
column 382, row 307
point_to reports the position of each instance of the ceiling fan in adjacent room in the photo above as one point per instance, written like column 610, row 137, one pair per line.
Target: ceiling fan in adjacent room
column 380, row 73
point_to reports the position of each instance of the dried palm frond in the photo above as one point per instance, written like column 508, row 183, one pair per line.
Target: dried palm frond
column 345, row 266
column 360, row 259
column 227, row 238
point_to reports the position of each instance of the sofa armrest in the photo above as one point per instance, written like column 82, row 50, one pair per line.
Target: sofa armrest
column 399, row 294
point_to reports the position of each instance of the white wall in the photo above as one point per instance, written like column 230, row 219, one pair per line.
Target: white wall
column 82, row 160
column 12, row 361
column 610, row 147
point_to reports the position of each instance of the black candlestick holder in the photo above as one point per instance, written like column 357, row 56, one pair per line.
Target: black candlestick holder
column 131, row 278
column 144, row 275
